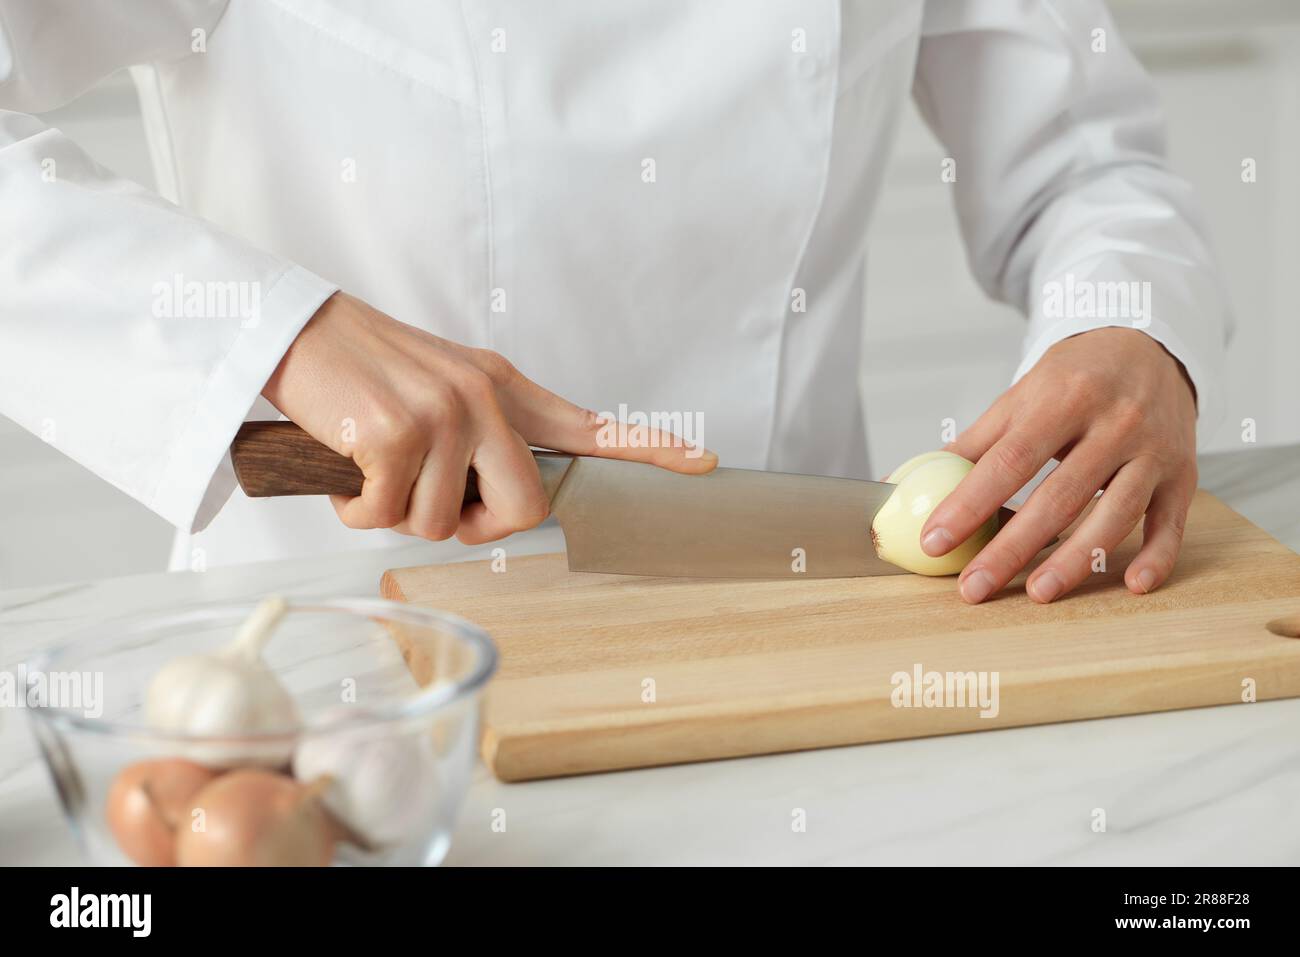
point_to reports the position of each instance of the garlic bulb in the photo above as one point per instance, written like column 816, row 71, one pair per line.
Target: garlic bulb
column 228, row 693
column 384, row 787
column 923, row 482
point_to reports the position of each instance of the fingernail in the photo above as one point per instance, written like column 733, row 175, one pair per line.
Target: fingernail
column 1146, row 580
column 707, row 461
column 937, row 541
column 977, row 586
column 1046, row 586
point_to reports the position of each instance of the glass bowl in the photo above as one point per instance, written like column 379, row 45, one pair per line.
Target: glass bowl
column 387, row 697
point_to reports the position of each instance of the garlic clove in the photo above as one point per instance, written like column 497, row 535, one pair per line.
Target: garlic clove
column 384, row 787
column 922, row 483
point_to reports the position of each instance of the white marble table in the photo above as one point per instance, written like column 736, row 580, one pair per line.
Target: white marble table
column 1210, row 786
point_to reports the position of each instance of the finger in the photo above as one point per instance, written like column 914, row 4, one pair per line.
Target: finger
column 1012, row 461
column 438, row 495
column 979, row 437
column 545, row 419
column 639, row 443
column 383, row 498
column 478, row 525
column 1115, row 515
column 510, row 489
column 1053, row 505
column 1162, row 536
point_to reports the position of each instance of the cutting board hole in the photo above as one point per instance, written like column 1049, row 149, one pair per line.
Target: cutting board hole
column 1287, row 626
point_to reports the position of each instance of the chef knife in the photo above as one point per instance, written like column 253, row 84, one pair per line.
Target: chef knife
column 630, row 518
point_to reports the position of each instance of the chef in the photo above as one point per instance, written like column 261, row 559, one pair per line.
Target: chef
column 435, row 232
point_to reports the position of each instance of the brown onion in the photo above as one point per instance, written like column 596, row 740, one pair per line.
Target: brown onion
column 146, row 804
column 256, row 818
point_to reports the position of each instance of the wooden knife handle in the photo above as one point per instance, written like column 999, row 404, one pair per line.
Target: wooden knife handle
column 278, row 458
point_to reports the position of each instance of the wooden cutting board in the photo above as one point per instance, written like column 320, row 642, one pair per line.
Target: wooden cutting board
column 606, row 671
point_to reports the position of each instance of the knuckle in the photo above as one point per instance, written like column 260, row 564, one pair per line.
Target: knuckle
column 1072, row 561
column 479, row 375
column 436, row 529
column 591, row 430
column 529, row 510
column 1163, row 446
column 535, row 511
column 386, row 513
column 1011, row 556
column 1066, row 495
column 1128, row 416
column 370, row 516
column 957, row 514
column 1128, row 502
column 1175, row 523
column 441, row 421
column 1076, row 389
column 393, row 430
column 476, row 388
column 353, row 521
column 498, row 369
column 1162, row 558
column 1015, row 456
column 446, row 408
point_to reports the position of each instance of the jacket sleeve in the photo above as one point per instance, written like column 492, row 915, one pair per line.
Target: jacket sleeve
column 134, row 336
column 1066, row 206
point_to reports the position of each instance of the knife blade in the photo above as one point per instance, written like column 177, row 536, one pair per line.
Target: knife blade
column 629, row 518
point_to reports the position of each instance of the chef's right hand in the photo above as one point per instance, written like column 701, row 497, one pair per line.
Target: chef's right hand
column 416, row 412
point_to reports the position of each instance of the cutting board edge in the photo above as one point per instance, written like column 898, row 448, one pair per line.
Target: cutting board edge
column 573, row 749
column 390, row 586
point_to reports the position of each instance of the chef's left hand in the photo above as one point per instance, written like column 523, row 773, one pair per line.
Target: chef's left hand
column 1119, row 414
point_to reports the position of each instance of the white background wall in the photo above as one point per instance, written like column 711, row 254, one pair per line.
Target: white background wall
column 1229, row 74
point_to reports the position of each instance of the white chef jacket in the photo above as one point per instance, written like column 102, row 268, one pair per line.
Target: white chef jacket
column 631, row 200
